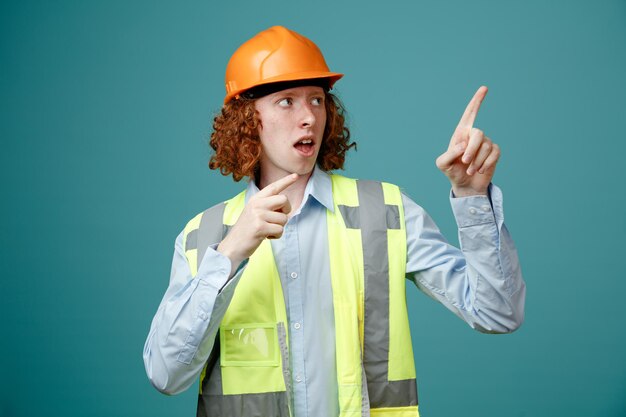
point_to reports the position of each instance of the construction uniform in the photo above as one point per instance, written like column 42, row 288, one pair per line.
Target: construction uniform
column 317, row 350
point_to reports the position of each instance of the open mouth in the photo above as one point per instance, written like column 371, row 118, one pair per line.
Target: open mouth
column 305, row 146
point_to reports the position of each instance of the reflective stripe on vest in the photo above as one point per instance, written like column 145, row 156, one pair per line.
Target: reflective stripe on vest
column 367, row 248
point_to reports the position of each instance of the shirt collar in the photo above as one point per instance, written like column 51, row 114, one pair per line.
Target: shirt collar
column 319, row 187
column 322, row 188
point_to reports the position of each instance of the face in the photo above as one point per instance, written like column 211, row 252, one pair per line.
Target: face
column 291, row 131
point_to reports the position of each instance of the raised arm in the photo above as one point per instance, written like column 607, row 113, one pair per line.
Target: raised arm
column 482, row 282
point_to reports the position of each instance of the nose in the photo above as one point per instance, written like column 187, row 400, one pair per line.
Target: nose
column 307, row 117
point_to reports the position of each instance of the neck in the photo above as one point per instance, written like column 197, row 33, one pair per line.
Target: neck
column 295, row 192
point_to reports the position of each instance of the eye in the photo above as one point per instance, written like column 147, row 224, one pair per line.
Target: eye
column 285, row 102
column 317, row 101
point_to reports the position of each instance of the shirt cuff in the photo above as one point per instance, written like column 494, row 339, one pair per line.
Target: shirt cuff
column 214, row 268
column 474, row 210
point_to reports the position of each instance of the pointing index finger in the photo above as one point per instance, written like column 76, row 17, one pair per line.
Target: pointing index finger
column 277, row 186
column 467, row 120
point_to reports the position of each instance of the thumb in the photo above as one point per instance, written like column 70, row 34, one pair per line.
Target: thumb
column 446, row 159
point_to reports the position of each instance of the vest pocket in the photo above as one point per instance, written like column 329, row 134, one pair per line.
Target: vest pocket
column 251, row 344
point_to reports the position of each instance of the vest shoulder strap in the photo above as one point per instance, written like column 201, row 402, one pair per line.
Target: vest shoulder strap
column 208, row 228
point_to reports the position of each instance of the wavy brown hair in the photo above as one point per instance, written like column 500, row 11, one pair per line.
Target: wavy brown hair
column 235, row 138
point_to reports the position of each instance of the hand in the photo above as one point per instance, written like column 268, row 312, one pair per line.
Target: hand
column 263, row 217
column 471, row 158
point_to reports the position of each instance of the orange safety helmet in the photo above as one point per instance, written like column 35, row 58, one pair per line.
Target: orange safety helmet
column 275, row 55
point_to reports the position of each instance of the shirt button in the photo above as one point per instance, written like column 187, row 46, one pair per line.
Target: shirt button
column 298, row 378
column 296, row 326
column 486, row 208
column 294, row 275
column 472, row 210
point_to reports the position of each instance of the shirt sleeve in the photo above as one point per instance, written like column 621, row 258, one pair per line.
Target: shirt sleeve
column 184, row 328
column 481, row 282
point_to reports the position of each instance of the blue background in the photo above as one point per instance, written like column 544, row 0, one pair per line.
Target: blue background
column 105, row 115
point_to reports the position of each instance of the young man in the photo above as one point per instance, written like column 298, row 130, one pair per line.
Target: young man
column 289, row 299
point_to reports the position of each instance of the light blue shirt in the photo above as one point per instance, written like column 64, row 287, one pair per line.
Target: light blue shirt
column 482, row 284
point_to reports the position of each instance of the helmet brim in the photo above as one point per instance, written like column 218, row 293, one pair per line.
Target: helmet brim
column 332, row 77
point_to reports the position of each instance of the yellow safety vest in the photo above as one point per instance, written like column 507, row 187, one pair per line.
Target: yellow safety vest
column 247, row 373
